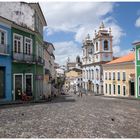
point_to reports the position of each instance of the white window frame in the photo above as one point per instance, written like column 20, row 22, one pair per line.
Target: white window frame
column 31, row 45
column 117, row 75
column 105, row 75
column 123, row 90
column 138, row 54
column 120, row 89
column 110, row 89
column 113, row 77
column 139, row 86
column 21, row 41
column 109, row 75
column 5, row 35
column 92, row 74
column 14, row 83
column 125, row 75
column 113, row 89
column 106, row 88
column 31, row 79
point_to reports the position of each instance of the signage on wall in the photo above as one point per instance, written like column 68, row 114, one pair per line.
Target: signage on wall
column 39, row 77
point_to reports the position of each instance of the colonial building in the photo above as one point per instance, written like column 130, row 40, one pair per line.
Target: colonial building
column 137, row 68
column 48, row 68
column 96, row 52
column 119, row 76
column 5, row 60
column 27, row 47
column 73, row 78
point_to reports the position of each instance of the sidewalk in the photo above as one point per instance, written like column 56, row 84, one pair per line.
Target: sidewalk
column 119, row 97
column 5, row 103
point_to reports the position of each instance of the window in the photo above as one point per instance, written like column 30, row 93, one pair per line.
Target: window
column 106, row 88
column 28, row 46
column 110, row 89
column 97, row 72
column 118, row 76
column 18, row 39
column 124, row 76
column 106, row 76
column 89, row 74
column 138, row 54
column 96, row 46
column 106, row 45
column 113, row 75
column 109, row 75
column 124, row 90
column 93, row 74
column 119, row 89
column 2, row 37
column 139, row 86
column 114, row 89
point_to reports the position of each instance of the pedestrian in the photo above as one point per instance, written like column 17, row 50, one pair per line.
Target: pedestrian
column 80, row 92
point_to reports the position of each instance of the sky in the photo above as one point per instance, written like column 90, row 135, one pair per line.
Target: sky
column 68, row 23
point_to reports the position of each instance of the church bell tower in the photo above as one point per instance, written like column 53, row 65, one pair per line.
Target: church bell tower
column 103, row 44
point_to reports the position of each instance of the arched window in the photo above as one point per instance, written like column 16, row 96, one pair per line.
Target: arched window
column 89, row 75
column 96, row 46
column 106, row 45
column 92, row 74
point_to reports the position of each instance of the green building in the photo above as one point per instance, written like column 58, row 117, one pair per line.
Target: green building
column 28, row 55
column 137, row 68
column 28, row 63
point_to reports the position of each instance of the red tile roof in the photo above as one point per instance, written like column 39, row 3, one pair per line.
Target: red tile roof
column 127, row 58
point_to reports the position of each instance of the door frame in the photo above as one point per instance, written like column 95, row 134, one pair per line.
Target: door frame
column 4, row 81
column 31, row 79
column 14, row 83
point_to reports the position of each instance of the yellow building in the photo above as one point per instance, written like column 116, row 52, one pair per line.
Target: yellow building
column 119, row 76
column 73, row 77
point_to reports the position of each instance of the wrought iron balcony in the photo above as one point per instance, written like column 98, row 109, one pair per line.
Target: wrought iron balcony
column 4, row 49
column 23, row 57
column 39, row 60
column 28, row 58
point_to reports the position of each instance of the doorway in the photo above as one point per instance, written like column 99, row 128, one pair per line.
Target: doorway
column 132, row 88
column 29, row 85
column 2, row 82
column 18, row 86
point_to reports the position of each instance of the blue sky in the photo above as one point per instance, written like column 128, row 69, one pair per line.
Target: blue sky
column 70, row 22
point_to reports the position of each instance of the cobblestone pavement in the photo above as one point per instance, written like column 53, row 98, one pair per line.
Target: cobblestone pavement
column 70, row 116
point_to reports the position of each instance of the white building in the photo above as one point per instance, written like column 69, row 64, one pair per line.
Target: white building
column 95, row 53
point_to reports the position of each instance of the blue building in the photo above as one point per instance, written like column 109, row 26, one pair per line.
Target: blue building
column 5, row 60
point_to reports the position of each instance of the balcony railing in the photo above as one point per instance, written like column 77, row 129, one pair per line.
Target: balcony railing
column 39, row 60
column 28, row 58
column 4, row 49
column 22, row 57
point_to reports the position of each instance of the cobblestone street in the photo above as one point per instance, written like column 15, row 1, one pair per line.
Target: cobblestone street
column 70, row 116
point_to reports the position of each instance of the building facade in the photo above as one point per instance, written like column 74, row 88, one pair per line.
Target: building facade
column 119, row 77
column 5, row 60
column 137, row 68
column 27, row 47
column 73, row 78
column 48, row 68
column 95, row 53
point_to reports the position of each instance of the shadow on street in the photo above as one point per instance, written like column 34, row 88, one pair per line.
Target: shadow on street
column 60, row 98
column 63, row 98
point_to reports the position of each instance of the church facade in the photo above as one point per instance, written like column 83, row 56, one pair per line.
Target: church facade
column 96, row 52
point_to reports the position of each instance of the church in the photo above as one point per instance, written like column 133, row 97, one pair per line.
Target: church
column 96, row 52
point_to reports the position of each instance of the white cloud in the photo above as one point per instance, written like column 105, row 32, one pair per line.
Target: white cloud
column 137, row 24
column 70, row 16
column 63, row 50
column 81, row 19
